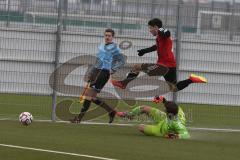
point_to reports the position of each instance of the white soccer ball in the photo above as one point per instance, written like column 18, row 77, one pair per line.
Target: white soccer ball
column 25, row 118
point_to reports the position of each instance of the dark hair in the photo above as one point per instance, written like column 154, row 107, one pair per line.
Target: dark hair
column 155, row 22
column 110, row 30
column 171, row 107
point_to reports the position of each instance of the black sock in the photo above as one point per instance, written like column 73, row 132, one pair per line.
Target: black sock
column 86, row 105
column 103, row 105
column 183, row 84
column 131, row 76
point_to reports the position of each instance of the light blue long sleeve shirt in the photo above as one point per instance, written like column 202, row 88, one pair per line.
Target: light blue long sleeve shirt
column 109, row 57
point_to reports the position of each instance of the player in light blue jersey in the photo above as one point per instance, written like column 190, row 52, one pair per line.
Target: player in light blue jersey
column 109, row 60
column 109, row 57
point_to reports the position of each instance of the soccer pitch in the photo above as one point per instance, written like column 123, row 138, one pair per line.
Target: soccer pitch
column 65, row 141
column 109, row 141
column 11, row 105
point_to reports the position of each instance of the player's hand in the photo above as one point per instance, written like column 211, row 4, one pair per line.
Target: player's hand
column 141, row 52
column 171, row 136
column 158, row 99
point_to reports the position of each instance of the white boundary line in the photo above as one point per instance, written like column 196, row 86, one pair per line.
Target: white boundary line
column 124, row 124
column 214, row 129
column 4, row 119
column 190, row 128
column 57, row 152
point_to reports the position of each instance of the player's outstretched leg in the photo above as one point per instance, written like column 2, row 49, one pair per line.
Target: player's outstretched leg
column 192, row 79
column 151, row 69
column 175, row 86
column 197, row 79
column 131, row 76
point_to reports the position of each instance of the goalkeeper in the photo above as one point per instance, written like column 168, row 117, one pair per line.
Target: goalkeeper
column 169, row 124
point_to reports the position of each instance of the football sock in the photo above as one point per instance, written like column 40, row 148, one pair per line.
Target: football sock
column 131, row 76
column 104, row 105
column 183, row 84
column 86, row 105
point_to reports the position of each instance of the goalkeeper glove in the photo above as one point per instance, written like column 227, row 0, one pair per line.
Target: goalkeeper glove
column 171, row 136
column 158, row 99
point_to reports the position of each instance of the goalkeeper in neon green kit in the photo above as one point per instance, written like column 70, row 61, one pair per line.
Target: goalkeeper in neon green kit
column 169, row 124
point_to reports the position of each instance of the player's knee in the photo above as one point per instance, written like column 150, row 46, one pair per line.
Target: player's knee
column 90, row 94
column 175, row 90
column 141, row 128
column 172, row 87
column 136, row 68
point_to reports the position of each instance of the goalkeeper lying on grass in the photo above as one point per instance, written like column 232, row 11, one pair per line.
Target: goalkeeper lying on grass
column 169, row 124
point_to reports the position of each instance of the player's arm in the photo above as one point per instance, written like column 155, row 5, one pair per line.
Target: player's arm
column 171, row 136
column 182, row 132
column 182, row 135
column 165, row 33
column 118, row 61
column 141, row 52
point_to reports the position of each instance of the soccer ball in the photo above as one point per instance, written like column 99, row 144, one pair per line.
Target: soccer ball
column 25, row 118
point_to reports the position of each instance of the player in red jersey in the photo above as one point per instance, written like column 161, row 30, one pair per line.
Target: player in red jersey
column 166, row 63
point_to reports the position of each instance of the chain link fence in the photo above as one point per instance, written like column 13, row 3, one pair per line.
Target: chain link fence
column 39, row 36
column 128, row 17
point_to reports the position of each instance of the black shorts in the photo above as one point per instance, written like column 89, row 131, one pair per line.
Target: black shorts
column 171, row 76
column 101, row 78
column 154, row 69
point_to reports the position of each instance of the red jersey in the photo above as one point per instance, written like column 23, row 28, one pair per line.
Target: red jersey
column 165, row 52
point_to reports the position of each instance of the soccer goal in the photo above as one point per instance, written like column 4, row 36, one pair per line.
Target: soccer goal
column 217, row 21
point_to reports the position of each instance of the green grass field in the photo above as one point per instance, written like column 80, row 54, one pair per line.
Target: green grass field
column 123, row 143
column 110, row 141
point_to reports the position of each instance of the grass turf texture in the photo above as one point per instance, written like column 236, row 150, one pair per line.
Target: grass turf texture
column 123, row 143
column 198, row 115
